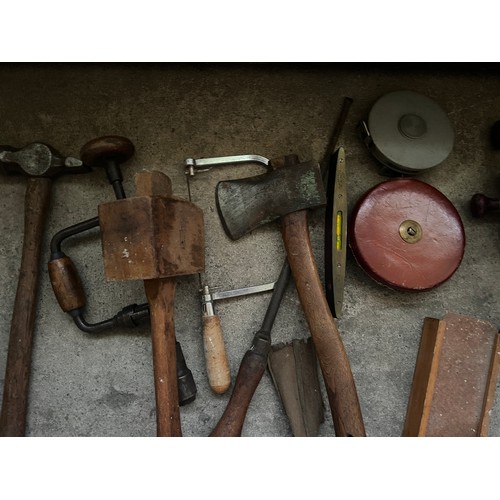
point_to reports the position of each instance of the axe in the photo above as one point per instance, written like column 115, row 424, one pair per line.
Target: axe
column 286, row 193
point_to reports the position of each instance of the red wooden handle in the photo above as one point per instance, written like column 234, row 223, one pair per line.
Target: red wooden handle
column 252, row 367
column 330, row 350
column 16, row 385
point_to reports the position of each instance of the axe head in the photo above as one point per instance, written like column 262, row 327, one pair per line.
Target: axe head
column 245, row 204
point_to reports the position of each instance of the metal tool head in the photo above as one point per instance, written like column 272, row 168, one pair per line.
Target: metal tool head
column 38, row 160
column 245, row 204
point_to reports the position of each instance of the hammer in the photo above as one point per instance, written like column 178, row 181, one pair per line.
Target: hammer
column 155, row 237
column 40, row 163
column 286, row 193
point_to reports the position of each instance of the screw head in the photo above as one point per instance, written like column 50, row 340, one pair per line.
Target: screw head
column 410, row 231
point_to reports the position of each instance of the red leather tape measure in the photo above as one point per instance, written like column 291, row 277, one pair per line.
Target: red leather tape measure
column 407, row 235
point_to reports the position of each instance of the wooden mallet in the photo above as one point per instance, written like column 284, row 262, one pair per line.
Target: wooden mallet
column 155, row 237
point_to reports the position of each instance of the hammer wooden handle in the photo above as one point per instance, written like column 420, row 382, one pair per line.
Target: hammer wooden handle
column 252, row 367
column 340, row 386
column 16, row 385
column 219, row 375
column 160, row 294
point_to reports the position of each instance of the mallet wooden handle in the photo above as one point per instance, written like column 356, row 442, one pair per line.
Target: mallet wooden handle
column 333, row 360
column 160, row 294
column 219, row 375
column 16, row 385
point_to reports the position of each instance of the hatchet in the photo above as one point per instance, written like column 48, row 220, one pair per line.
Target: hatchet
column 287, row 193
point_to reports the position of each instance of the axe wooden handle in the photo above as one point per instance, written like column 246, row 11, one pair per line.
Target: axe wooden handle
column 160, row 294
column 339, row 382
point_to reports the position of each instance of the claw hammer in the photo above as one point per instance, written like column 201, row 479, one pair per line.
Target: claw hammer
column 40, row 163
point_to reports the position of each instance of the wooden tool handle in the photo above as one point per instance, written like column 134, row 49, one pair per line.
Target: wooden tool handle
column 481, row 205
column 16, row 385
column 219, row 375
column 330, row 350
column 66, row 284
column 252, row 367
column 160, row 294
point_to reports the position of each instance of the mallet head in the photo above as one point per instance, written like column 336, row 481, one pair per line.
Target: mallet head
column 152, row 235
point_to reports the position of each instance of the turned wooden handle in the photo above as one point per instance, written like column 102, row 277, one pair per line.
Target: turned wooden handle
column 66, row 284
column 332, row 357
column 219, row 375
column 252, row 367
column 160, row 294
column 481, row 205
column 16, row 385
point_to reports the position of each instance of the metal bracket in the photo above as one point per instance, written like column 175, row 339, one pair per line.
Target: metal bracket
column 364, row 133
column 208, row 297
column 192, row 166
column 385, row 167
column 205, row 164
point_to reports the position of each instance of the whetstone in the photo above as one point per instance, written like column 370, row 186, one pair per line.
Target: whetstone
column 455, row 378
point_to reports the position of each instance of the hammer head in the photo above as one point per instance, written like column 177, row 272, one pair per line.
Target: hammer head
column 245, row 204
column 153, row 235
column 38, row 160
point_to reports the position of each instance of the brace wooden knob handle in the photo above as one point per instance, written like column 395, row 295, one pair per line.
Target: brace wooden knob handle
column 252, row 367
column 480, row 205
column 100, row 150
column 219, row 375
column 66, row 284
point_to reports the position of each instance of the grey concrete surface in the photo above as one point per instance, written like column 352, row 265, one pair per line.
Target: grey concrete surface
column 102, row 385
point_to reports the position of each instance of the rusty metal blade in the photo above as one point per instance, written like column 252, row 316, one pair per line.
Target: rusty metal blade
column 245, row 204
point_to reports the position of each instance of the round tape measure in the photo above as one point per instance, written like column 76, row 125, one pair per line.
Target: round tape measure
column 407, row 235
column 409, row 132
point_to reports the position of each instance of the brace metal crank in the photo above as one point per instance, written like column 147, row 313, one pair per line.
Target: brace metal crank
column 107, row 152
